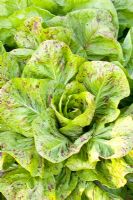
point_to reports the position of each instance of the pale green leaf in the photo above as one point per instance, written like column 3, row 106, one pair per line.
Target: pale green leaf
column 101, row 79
column 23, row 151
column 113, row 141
column 50, row 143
column 53, row 60
column 22, row 100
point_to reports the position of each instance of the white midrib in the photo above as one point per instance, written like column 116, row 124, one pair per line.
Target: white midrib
column 99, row 92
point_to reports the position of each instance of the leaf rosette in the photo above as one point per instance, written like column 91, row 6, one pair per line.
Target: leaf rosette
column 63, row 131
column 74, row 110
column 60, row 97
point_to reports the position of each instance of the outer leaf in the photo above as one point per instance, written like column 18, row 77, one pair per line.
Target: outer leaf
column 22, row 56
column 22, row 100
column 9, row 67
column 9, row 25
column 114, row 141
column 130, row 185
column 127, row 111
column 25, row 40
column 93, row 192
column 55, row 169
column 101, row 79
column 62, row 7
column 128, row 52
column 8, row 7
column 50, row 5
column 125, row 12
column 23, row 150
column 79, row 161
column 21, row 53
column 18, row 184
column 59, row 33
column 49, row 142
column 32, row 34
column 129, row 158
column 7, row 162
column 70, row 5
column 32, row 11
column 78, row 191
column 110, row 173
column 93, row 31
column 66, row 183
column 53, row 60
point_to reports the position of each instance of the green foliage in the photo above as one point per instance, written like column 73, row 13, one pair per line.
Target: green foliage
column 66, row 109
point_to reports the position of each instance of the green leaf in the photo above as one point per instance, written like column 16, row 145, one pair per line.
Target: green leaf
column 59, row 33
column 53, row 60
column 60, row 7
column 113, row 141
column 9, row 25
column 22, row 100
column 18, row 17
column 129, row 185
column 9, row 67
column 127, row 110
column 21, row 53
column 31, row 34
column 50, row 143
column 93, row 192
column 22, row 56
column 23, row 151
column 101, row 79
column 128, row 46
column 7, row 162
column 125, row 12
column 66, row 182
column 93, row 31
column 25, row 40
column 129, row 158
column 110, row 173
column 54, row 168
column 74, row 110
column 8, row 7
column 79, row 161
column 18, row 184
column 70, row 5
column 128, row 52
column 50, row 5
column 78, row 191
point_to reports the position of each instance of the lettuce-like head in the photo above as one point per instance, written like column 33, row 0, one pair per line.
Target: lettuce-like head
column 60, row 98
